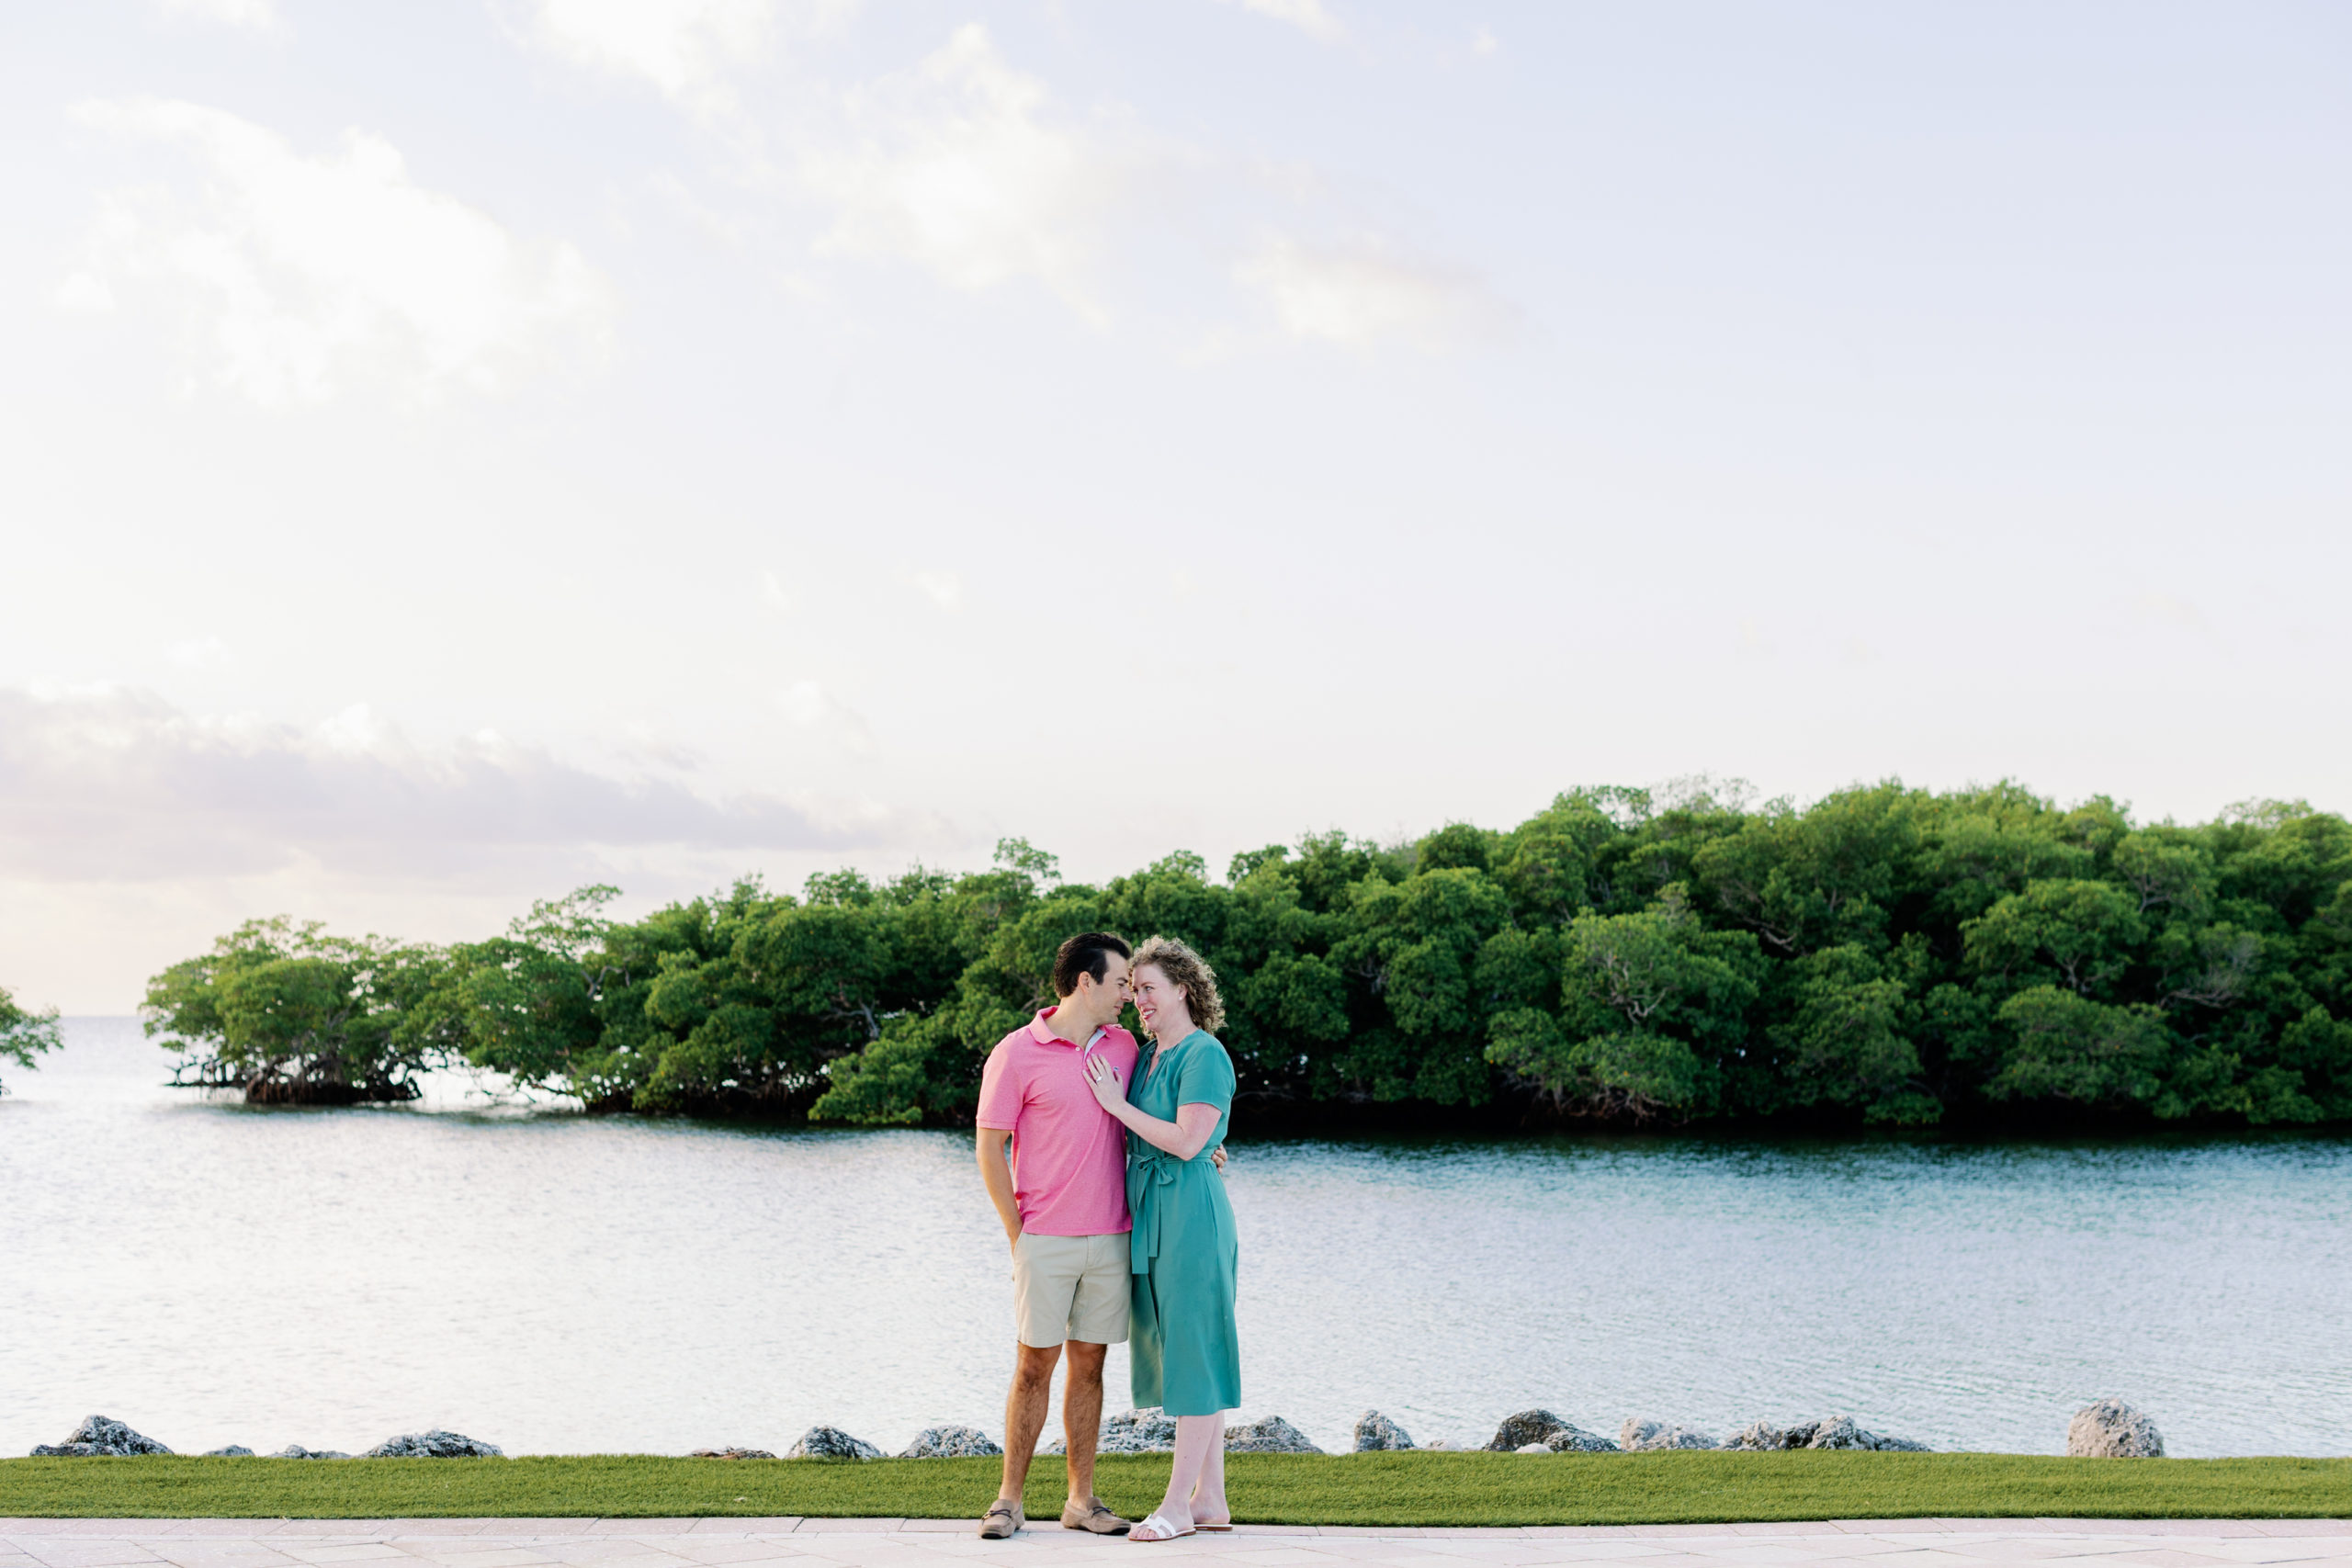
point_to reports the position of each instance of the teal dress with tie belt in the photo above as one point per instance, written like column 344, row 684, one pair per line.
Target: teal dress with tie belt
column 1184, row 1353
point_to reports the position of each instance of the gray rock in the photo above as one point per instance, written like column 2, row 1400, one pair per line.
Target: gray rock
column 831, row 1442
column 1840, row 1432
column 2108, row 1429
column 1532, row 1449
column 1760, row 1437
column 435, row 1444
column 1542, row 1427
column 730, row 1453
column 1527, row 1427
column 1376, row 1433
column 296, row 1451
column 1829, row 1432
column 952, row 1442
column 1644, row 1437
column 1572, row 1440
column 235, row 1450
column 101, row 1437
column 1147, row 1431
column 1267, row 1435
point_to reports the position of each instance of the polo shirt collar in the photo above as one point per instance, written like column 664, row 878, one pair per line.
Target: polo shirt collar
column 1043, row 1034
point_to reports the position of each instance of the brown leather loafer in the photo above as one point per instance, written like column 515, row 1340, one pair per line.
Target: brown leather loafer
column 1001, row 1519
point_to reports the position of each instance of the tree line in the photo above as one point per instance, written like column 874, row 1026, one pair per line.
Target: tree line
column 1885, row 955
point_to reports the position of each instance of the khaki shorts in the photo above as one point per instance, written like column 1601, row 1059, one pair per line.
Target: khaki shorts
column 1069, row 1287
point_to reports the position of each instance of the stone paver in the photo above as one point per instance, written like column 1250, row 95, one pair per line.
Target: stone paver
column 932, row 1543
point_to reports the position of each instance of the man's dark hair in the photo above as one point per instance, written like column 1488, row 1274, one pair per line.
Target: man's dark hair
column 1088, row 953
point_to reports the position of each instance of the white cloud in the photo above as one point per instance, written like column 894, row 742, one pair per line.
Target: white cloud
column 944, row 588
column 1359, row 295
column 1483, row 41
column 974, row 171
column 683, row 48
column 256, row 15
column 807, row 706
column 805, row 703
column 962, row 168
column 83, row 295
column 200, row 653
column 113, row 785
column 1307, row 15
column 353, row 732
column 310, row 274
column 2171, row 610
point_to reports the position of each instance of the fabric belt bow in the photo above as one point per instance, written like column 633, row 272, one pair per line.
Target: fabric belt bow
column 1149, row 1167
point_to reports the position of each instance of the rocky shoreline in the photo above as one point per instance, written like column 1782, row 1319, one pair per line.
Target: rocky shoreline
column 2106, row 1428
column 103, row 1436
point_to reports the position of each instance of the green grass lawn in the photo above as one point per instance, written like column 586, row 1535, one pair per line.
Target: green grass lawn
column 1417, row 1488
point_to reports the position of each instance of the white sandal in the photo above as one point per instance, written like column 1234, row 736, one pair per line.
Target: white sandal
column 1154, row 1521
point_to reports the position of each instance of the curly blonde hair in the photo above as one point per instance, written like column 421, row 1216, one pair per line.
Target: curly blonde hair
column 1190, row 971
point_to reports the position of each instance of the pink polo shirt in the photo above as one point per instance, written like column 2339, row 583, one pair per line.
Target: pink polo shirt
column 1069, row 1156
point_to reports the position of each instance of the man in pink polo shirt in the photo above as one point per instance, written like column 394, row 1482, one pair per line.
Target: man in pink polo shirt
column 1063, row 1199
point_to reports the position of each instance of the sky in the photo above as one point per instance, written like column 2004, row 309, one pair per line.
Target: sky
column 453, row 451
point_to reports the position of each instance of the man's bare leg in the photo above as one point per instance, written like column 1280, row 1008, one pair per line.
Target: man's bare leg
column 1024, row 1414
column 1082, row 1417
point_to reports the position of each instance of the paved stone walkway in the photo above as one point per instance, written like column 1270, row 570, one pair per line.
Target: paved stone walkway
column 926, row 1543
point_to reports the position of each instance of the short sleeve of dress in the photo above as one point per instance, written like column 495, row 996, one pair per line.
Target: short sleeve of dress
column 1205, row 1076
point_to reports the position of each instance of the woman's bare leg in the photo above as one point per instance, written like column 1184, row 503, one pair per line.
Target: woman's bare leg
column 1197, row 1437
column 1209, row 1498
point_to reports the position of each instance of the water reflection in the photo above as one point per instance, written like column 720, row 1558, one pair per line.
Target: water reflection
column 218, row 1274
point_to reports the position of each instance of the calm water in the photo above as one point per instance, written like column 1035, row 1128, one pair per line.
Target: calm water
column 215, row 1274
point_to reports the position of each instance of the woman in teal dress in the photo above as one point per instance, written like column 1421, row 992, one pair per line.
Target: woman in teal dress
column 1183, row 1351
